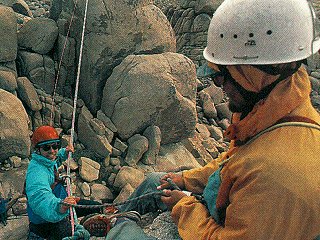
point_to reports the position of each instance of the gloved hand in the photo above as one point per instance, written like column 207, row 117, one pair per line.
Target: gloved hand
column 80, row 233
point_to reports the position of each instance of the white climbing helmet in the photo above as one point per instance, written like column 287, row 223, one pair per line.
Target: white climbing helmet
column 262, row 32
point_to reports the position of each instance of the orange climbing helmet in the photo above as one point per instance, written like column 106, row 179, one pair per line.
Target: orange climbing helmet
column 44, row 135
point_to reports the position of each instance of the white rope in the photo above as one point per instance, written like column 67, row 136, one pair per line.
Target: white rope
column 72, row 212
column 60, row 64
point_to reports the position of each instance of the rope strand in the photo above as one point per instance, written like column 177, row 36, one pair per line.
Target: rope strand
column 74, row 219
column 147, row 195
column 60, row 64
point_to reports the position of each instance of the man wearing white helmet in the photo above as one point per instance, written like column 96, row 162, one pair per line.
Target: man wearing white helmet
column 267, row 185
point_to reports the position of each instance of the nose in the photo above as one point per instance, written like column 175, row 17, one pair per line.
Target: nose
column 52, row 150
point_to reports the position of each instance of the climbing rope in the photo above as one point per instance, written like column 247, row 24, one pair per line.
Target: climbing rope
column 73, row 216
column 102, row 206
column 60, row 64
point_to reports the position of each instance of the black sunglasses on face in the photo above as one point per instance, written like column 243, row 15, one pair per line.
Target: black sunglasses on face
column 218, row 79
column 47, row 147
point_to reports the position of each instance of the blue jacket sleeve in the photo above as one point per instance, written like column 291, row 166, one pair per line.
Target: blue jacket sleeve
column 61, row 156
column 40, row 197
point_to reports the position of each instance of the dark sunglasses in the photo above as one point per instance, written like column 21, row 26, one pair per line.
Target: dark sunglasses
column 218, row 79
column 47, row 147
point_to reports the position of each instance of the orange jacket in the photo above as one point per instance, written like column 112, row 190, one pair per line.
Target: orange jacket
column 269, row 187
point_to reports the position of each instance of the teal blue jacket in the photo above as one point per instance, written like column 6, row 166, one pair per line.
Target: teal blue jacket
column 43, row 204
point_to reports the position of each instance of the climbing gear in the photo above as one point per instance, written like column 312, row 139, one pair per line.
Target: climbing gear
column 100, row 224
column 104, row 205
column 60, row 63
column 44, row 135
column 80, row 233
column 262, row 32
column 73, row 215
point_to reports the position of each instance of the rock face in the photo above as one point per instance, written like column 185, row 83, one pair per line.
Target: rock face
column 190, row 21
column 14, row 134
column 39, row 69
column 114, row 29
column 9, row 42
column 38, row 35
column 147, row 89
column 28, row 94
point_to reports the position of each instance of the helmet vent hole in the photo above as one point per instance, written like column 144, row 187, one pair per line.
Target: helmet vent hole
column 251, row 35
column 235, row 36
column 221, row 35
column 269, row 32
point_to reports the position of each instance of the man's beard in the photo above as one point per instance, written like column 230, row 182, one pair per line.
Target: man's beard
column 236, row 108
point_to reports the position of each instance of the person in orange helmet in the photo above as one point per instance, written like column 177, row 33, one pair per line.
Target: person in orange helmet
column 45, row 191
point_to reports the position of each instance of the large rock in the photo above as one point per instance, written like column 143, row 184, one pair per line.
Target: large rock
column 114, row 29
column 194, row 145
column 39, row 69
column 149, row 90
column 14, row 133
column 8, row 81
column 19, row 6
column 89, row 170
column 101, row 192
column 124, row 194
column 207, row 6
column 174, row 156
column 138, row 145
column 128, row 175
column 153, row 134
column 38, row 35
column 89, row 137
column 28, row 94
column 8, row 38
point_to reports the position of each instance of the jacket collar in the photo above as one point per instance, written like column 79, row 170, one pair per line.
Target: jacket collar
column 43, row 160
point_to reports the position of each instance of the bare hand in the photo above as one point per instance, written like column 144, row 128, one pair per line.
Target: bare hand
column 70, row 148
column 69, row 200
column 171, row 198
column 61, row 168
column 176, row 178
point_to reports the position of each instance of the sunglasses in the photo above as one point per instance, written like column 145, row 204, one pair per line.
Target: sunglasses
column 47, row 147
column 218, row 79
